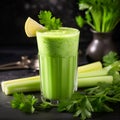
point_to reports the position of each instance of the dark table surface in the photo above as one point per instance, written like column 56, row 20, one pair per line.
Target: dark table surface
column 7, row 113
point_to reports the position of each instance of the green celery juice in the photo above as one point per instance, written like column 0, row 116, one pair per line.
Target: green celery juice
column 58, row 54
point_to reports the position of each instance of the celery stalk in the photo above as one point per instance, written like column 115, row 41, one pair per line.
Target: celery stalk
column 31, row 85
column 94, row 73
column 93, row 81
column 28, row 84
column 20, row 80
column 90, row 67
column 25, row 86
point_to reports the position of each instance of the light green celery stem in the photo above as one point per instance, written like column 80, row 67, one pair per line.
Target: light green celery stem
column 93, row 81
column 104, row 20
column 25, row 86
column 34, row 84
column 97, row 15
column 101, row 72
column 90, row 67
column 19, row 81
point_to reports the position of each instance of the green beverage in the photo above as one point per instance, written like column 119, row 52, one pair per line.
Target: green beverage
column 58, row 54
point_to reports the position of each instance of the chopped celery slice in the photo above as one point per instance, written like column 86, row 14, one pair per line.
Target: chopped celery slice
column 90, row 67
column 93, row 81
column 18, row 81
column 23, row 86
column 101, row 72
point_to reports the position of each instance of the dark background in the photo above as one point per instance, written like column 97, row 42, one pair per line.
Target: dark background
column 14, row 43
column 14, row 13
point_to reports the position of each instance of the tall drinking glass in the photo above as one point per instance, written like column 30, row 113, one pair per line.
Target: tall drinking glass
column 58, row 55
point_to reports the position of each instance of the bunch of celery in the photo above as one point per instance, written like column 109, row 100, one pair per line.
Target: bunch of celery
column 88, row 75
column 101, row 15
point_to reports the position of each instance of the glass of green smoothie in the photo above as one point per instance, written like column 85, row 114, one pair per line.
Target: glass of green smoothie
column 58, row 56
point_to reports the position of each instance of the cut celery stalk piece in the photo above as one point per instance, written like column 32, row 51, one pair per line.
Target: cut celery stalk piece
column 93, row 81
column 23, row 86
column 90, row 67
column 94, row 73
column 17, row 81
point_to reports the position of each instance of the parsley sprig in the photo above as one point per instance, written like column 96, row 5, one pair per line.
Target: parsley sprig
column 46, row 18
column 24, row 103
column 79, row 105
column 110, row 58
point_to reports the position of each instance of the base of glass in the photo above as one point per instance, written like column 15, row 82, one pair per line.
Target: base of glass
column 53, row 102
